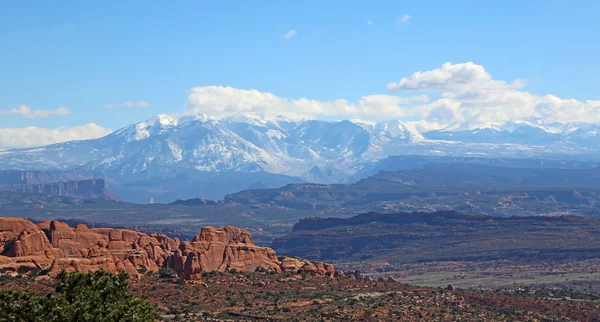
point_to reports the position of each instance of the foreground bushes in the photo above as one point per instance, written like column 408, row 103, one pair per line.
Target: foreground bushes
column 78, row 297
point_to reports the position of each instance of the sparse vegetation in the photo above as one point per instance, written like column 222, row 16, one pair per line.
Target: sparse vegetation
column 258, row 296
column 165, row 272
column 77, row 297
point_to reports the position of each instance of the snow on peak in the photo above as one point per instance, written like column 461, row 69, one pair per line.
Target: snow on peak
column 455, row 127
column 256, row 120
column 397, row 128
column 246, row 118
column 363, row 122
column 156, row 125
column 511, row 126
column 143, row 130
column 195, row 118
column 160, row 120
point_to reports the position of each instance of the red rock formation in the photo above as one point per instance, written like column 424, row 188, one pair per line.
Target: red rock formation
column 54, row 246
column 296, row 265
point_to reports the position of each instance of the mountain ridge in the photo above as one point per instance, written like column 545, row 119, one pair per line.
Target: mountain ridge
column 277, row 150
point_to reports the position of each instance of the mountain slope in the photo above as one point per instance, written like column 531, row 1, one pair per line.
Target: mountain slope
column 150, row 158
column 163, row 144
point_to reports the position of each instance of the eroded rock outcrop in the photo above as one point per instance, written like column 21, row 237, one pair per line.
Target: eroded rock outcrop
column 86, row 189
column 54, row 246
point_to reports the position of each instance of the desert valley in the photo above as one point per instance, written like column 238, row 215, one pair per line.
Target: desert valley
column 448, row 240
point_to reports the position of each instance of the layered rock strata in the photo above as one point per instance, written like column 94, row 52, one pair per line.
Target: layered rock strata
column 53, row 246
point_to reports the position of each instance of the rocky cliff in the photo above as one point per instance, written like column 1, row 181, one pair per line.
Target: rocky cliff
column 23, row 177
column 53, row 246
column 86, row 189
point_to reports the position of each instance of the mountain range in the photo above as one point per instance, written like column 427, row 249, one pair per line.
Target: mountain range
column 169, row 157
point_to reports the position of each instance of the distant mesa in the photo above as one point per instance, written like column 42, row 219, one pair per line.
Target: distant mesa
column 446, row 236
column 86, row 189
column 53, row 246
column 37, row 182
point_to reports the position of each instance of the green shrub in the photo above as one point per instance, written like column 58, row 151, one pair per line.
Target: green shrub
column 165, row 272
column 78, row 297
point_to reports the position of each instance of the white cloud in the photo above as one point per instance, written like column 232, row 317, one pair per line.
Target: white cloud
column 290, row 34
column 12, row 138
column 27, row 112
column 128, row 104
column 465, row 94
column 403, row 18
column 220, row 101
column 370, row 22
column 470, row 95
column 451, row 77
column 424, row 126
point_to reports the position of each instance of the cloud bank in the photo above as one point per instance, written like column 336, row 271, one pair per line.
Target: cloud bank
column 220, row 101
column 27, row 112
column 470, row 95
column 13, row 138
column 464, row 94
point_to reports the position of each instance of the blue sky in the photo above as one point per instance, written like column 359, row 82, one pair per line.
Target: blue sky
column 83, row 55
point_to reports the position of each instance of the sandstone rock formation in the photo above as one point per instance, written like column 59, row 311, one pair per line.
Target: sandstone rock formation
column 54, row 246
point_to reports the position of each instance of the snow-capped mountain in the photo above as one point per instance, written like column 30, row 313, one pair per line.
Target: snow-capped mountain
column 279, row 150
column 398, row 130
column 585, row 135
column 244, row 143
column 526, row 132
column 276, row 145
